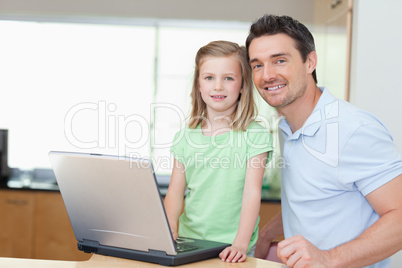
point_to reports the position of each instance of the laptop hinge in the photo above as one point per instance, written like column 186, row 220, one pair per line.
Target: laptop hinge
column 88, row 246
column 157, row 252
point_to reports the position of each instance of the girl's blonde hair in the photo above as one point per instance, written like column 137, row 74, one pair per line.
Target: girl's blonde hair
column 245, row 111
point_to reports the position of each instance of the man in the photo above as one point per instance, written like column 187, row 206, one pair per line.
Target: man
column 342, row 182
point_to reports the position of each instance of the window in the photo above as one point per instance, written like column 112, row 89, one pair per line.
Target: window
column 76, row 87
column 111, row 89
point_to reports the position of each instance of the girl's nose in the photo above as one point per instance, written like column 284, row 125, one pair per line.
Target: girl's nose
column 218, row 85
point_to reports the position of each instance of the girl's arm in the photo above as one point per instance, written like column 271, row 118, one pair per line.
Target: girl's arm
column 249, row 211
column 175, row 196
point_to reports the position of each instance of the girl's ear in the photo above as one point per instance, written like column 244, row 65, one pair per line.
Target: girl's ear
column 242, row 86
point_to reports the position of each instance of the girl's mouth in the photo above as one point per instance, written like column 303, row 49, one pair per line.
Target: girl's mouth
column 218, row 97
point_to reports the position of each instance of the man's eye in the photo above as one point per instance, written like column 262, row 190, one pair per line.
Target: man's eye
column 256, row 66
column 280, row 61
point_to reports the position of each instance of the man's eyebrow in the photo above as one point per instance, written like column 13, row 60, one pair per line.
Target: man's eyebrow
column 253, row 60
column 281, row 54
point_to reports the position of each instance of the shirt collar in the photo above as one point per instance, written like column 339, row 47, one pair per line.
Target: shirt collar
column 315, row 120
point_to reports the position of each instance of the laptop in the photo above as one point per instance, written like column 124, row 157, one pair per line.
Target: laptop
column 115, row 209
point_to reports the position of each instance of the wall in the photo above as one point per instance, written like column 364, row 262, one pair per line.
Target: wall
column 377, row 62
column 331, row 35
column 377, row 66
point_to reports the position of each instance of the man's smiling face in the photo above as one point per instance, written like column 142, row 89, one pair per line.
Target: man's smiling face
column 279, row 73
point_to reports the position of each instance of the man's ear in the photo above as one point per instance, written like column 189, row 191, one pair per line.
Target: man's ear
column 312, row 61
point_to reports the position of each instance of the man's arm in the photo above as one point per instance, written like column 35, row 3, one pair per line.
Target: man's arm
column 378, row 242
column 267, row 234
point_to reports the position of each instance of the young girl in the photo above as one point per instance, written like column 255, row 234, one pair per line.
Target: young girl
column 220, row 156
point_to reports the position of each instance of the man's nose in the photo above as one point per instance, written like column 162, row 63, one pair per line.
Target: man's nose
column 269, row 73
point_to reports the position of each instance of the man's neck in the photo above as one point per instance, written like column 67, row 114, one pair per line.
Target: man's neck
column 297, row 113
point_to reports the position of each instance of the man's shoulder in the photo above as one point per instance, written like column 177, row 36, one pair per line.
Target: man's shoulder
column 350, row 114
column 350, row 118
column 345, row 112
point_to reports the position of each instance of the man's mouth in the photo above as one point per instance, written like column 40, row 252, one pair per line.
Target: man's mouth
column 274, row 88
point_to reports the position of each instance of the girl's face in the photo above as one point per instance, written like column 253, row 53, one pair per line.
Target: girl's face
column 220, row 83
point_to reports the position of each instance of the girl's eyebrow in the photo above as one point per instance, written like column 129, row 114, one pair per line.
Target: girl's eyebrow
column 211, row 73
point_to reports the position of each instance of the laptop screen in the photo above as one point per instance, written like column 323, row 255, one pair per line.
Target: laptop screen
column 113, row 200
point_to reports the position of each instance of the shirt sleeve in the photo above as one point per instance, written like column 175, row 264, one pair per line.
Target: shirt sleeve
column 259, row 140
column 177, row 146
column 369, row 159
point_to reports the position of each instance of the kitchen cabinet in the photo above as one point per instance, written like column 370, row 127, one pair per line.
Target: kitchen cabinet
column 267, row 211
column 35, row 224
column 53, row 235
column 16, row 222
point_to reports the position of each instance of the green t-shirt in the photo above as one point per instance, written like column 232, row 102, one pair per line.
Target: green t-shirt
column 215, row 174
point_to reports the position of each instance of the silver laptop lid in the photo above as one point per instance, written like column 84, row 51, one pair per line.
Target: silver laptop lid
column 113, row 200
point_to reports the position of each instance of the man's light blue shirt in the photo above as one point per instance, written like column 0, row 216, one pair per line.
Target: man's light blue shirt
column 340, row 155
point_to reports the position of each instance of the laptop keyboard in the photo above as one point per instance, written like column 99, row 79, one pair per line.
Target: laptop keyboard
column 184, row 248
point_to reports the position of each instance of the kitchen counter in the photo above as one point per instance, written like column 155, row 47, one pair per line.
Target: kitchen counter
column 44, row 180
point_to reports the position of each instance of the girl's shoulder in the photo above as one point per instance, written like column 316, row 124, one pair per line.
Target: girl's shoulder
column 256, row 125
column 186, row 128
column 256, row 130
column 185, row 131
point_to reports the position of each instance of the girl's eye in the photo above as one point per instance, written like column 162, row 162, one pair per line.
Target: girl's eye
column 229, row 78
column 208, row 78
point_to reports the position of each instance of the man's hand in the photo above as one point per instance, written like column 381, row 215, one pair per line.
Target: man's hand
column 299, row 252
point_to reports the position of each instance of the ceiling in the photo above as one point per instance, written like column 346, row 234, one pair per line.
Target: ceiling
column 233, row 10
